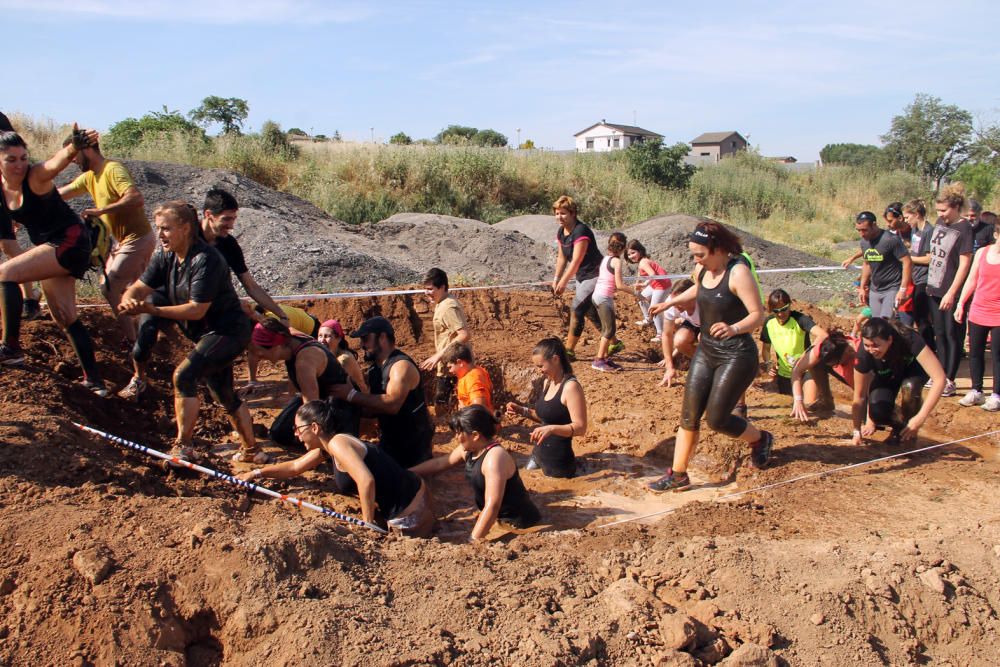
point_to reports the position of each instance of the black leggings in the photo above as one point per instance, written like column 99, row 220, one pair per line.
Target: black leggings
column 947, row 336
column 882, row 400
column 720, row 372
column 977, row 355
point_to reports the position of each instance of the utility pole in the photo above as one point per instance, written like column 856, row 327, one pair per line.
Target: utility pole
column 518, row 138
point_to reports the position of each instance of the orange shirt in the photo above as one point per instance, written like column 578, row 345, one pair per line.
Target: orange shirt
column 475, row 384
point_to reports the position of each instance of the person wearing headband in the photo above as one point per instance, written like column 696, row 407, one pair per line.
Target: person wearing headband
column 296, row 319
column 331, row 334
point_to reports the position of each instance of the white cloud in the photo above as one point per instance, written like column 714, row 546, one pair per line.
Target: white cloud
column 195, row 11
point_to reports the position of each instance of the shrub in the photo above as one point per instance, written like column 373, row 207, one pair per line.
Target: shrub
column 652, row 162
column 126, row 135
column 400, row 139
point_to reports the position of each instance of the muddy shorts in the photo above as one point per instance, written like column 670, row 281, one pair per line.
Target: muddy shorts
column 72, row 249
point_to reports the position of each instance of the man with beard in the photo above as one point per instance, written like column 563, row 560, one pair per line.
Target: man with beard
column 396, row 398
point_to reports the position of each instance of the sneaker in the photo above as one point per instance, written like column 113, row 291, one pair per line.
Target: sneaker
column 974, row 397
column 615, row 348
column 671, row 481
column 11, row 356
column 740, row 410
column 654, row 339
column 571, row 354
column 259, row 457
column 179, row 451
column 135, row 387
column 992, row 403
column 97, row 387
column 643, row 323
column 928, row 384
column 614, row 366
column 532, row 464
column 760, row 451
column 601, row 365
column 949, row 389
column 32, row 310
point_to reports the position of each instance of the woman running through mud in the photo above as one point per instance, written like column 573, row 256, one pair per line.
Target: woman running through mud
column 725, row 363
column 893, row 362
column 383, row 486
column 187, row 282
column 609, row 281
column 835, row 356
column 490, row 470
column 331, row 334
column 789, row 334
column 653, row 291
column 61, row 254
column 312, row 370
column 560, row 408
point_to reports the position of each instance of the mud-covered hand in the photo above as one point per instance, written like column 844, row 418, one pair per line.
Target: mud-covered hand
column 799, row 411
column 911, row 429
column 668, row 377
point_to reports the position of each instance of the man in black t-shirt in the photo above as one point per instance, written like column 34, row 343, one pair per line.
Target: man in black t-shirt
column 885, row 274
column 982, row 231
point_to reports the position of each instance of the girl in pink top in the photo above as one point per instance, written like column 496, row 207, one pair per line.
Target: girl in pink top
column 655, row 291
column 984, row 320
column 609, row 280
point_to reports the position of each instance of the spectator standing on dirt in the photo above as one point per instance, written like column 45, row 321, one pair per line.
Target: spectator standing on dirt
column 951, row 255
column 918, row 315
column 187, row 282
column 983, row 285
column 312, row 370
column 725, row 363
column 450, row 326
column 331, row 334
column 578, row 258
column 474, row 386
column 834, row 356
column 893, row 362
column 61, row 254
column 396, row 398
column 681, row 328
column 120, row 205
column 654, row 291
column 789, row 333
column 561, row 409
column 384, row 487
column 885, row 274
column 490, row 470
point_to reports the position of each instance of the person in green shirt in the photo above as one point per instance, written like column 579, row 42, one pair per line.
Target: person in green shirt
column 789, row 333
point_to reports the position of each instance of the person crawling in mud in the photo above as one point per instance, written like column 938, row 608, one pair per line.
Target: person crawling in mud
column 187, row 282
column 383, row 486
column 297, row 320
column 893, row 362
column 490, row 470
column 61, row 255
column 396, row 398
column 561, row 408
column 789, row 333
column 312, row 371
column 836, row 354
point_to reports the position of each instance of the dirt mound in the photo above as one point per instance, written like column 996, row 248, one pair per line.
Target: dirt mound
column 542, row 228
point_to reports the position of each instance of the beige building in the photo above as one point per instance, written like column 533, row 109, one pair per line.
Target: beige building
column 713, row 146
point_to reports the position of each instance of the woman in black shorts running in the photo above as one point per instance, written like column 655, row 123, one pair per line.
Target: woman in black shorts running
column 725, row 363
column 61, row 254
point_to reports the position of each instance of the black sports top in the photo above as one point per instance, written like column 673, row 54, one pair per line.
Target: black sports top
column 333, row 374
column 395, row 487
column 516, row 507
column 719, row 304
column 44, row 216
column 591, row 258
column 404, row 435
column 555, row 450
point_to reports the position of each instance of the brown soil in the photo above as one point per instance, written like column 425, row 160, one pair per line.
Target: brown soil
column 107, row 560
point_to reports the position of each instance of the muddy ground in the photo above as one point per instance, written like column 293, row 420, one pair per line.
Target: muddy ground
column 107, row 560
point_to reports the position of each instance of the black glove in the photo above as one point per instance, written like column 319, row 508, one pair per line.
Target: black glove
column 80, row 140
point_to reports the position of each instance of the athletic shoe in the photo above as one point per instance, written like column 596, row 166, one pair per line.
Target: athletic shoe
column 992, row 403
column 974, row 397
column 613, row 366
column 643, row 323
column 11, row 356
column 532, row 464
column 928, row 384
column 654, row 339
column 672, row 481
column 615, row 348
column 32, row 310
column 97, row 387
column 259, row 457
column 601, row 365
column 949, row 389
column 760, row 451
column 135, row 387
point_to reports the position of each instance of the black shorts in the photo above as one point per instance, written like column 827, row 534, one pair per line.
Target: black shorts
column 72, row 249
column 687, row 324
column 444, row 386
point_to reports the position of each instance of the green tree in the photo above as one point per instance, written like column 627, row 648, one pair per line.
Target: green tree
column 930, row 138
column 852, row 155
column 980, row 179
column 489, row 138
column 652, row 162
column 296, row 132
column 400, row 139
column 527, row 145
column 126, row 135
column 230, row 112
column 456, row 134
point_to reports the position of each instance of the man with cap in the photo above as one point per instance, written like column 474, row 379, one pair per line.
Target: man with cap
column 885, row 274
column 396, row 398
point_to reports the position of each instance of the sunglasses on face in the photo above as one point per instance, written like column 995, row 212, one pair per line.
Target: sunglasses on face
column 782, row 309
column 298, row 429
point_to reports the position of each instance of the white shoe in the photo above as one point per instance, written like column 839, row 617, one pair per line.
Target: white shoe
column 992, row 403
column 974, row 397
column 654, row 339
column 949, row 389
column 927, row 385
column 643, row 323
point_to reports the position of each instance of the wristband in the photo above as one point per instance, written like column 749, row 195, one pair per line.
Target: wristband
column 857, row 433
column 351, row 394
column 257, row 473
column 736, row 328
column 797, row 399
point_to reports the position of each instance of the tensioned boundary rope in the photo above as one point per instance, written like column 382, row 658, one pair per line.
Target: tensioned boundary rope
column 250, row 486
column 810, row 475
column 507, row 286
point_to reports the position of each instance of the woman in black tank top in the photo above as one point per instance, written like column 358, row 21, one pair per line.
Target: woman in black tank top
column 490, row 470
column 61, row 253
column 561, row 408
column 725, row 362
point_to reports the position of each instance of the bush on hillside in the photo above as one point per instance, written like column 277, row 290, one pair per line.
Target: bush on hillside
column 125, row 136
column 400, row 139
column 652, row 162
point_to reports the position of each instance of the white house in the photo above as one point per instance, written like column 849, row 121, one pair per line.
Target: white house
column 605, row 136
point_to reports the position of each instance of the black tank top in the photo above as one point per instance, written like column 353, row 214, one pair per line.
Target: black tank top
column 719, row 304
column 333, row 374
column 395, row 487
column 44, row 216
column 516, row 507
column 406, row 435
column 555, row 453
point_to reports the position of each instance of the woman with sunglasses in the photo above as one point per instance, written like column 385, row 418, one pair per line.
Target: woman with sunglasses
column 725, row 363
column 789, row 333
column 383, row 486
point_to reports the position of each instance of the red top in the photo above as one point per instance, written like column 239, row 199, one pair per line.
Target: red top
column 657, row 271
column 985, row 310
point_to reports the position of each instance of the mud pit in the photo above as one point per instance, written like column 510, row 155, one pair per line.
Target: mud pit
column 107, row 560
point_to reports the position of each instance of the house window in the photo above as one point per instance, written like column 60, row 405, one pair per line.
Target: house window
column 733, row 144
column 617, row 142
column 590, row 144
column 706, row 155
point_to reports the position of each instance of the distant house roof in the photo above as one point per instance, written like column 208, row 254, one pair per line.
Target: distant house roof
column 624, row 129
column 783, row 158
column 714, row 138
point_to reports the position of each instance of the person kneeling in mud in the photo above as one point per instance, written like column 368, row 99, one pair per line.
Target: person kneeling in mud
column 789, row 334
column 312, row 371
column 835, row 356
column 400, row 496
column 891, row 363
column 490, row 470
column 681, row 328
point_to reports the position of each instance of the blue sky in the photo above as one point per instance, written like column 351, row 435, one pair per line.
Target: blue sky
column 792, row 76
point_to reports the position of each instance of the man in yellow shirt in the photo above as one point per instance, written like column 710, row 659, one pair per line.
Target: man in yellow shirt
column 449, row 327
column 118, row 202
